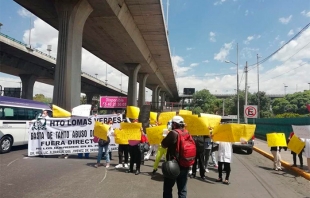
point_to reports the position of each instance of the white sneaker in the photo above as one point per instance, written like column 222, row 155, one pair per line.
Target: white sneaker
column 190, row 172
column 126, row 166
column 119, row 166
column 66, row 156
column 107, row 165
column 207, row 170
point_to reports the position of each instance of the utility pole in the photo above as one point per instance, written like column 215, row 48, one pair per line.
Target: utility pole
column 246, row 89
column 238, row 103
column 258, row 94
column 223, row 107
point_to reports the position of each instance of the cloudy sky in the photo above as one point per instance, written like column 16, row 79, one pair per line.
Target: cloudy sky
column 203, row 34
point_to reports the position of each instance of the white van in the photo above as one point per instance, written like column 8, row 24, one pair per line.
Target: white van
column 15, row 117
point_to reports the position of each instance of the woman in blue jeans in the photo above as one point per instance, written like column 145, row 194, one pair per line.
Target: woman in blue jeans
column 100, row 150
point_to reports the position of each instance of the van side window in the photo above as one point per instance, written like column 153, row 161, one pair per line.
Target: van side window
column 8, row 113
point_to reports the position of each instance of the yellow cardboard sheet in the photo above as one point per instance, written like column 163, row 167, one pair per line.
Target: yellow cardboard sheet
column 164, row 117
column 101, row 130
column 214, row 120
column 155, row 134
column 128, row 131
column 195, row 125
column 185, row 112
column 58, row 112
column 276, row 139
column 153, row 117
column 295, row 144
column 132, row 112
column 233, row 132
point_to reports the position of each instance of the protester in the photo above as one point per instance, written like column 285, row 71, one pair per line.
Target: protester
column 135, row 153
column 161, row 151
column 294, row 154
column 170, row 142
column 111, row 132
column 224, row 158
column 104, row 145
column 199, row 141
column 275, row 150
column 123, row 150
column 207, row 152
column 307, row 151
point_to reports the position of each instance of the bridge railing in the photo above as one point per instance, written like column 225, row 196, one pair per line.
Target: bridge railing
column 23, row 44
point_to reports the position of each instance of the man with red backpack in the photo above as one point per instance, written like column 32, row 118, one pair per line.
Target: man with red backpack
column 181, row 149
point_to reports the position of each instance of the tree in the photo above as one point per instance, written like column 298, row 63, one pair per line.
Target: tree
column 265, row 103
column 205, row 100
column 42, row 98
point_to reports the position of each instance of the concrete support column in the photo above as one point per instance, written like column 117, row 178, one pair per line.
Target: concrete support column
column 28, row 81
column 72, row 15
column 163, row 99
column 133, row 69
column 89, row 98
column 142, row 81
column 158, row 106
column 154, row 97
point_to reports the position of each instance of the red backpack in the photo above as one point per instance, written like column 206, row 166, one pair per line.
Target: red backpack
column 185, row 149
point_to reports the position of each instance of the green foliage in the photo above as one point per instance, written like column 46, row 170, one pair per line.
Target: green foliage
column 42, row 98
column 292, row 103
column 205, row 100
column 288, row 115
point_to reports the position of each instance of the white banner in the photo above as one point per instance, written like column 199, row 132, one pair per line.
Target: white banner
column 302, row 131
column 55, row 136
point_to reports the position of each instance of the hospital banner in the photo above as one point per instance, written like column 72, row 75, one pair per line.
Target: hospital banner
column 55, row 136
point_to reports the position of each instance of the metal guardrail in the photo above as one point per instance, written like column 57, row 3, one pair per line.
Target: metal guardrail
column 23, row 44
column 104, row 83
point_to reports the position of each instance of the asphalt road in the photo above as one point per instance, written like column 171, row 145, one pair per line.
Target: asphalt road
column 251, row 176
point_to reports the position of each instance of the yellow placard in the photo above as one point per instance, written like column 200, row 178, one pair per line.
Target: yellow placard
column 129, row 131
column 59, row 112
column 101, row 130
column 153, row 117
column 195, row 125
column 164, row 117
column 155, row 134
column 233, row 132
column 132, row 112
column 276, row 139
column 223, row 133
column 185, row 112
column 295, row 144
column 214, row 120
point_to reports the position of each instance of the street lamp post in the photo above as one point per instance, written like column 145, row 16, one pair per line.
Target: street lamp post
column 285, row 86
column 258, row 95
column 309, row 86
column 237, row 64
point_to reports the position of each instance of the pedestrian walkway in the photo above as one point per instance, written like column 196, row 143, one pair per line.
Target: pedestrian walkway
column 261, row 147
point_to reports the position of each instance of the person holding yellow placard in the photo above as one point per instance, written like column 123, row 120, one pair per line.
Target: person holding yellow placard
column 307, row 151
column 275, row 150
column 294, row 154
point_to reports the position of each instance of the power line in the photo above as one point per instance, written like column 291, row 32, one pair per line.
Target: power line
column 294, row 37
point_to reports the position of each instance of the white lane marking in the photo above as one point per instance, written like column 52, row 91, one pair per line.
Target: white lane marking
column 12, row 162
column 105, row 175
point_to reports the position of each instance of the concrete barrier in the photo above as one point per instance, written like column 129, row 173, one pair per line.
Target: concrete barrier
column 284, row 164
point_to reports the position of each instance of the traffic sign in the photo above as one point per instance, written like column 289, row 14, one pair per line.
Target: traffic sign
column 250, row 111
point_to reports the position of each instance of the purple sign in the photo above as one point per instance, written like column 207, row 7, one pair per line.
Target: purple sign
column 113, row 102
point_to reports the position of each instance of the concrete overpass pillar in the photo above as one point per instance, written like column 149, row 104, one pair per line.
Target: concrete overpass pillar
column 71, row 19
column 142, row 81
column 133, row 69
column 157, row 96
column 89, row 98
column 163, row 99
column 28, row 81
column 154, row 97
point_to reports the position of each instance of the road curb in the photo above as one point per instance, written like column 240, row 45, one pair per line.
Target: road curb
column 285, row 164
